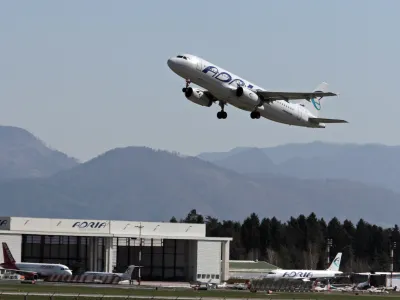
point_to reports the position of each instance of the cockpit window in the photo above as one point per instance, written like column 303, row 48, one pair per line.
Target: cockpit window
column 271, row 273
column 181, row 56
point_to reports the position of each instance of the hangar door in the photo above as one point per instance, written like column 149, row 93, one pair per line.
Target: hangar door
column 14, row 242
column 162, row 259
column 73, row 251
column 209, row 261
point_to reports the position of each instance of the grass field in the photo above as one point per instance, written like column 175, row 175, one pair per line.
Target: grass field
column 159, row 294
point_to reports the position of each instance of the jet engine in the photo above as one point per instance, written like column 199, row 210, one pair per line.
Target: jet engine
column 197, row 96
column 248, row 96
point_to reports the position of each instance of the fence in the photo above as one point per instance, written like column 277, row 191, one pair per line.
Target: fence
column 281, row 285
column 104, row 279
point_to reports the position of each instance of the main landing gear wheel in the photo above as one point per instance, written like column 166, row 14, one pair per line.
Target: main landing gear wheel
column 222, row 114
column 255, row 114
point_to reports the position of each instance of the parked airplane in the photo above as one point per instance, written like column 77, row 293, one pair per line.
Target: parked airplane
column 31, row 270
column 226, row 88
column 127, row 275
column 308, row 275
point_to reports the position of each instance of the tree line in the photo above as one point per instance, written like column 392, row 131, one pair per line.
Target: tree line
column 302, row 242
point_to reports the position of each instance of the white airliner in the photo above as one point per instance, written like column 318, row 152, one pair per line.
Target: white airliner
column 309, row 275
column 226, row 88
column 123, row 276
column 31, row 270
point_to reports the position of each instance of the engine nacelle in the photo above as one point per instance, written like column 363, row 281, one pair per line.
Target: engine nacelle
column 198, row 96
column 247, row 96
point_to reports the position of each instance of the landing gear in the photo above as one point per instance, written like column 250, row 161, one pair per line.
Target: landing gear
column 222, row 114
column 188, row 82
column 255, row 114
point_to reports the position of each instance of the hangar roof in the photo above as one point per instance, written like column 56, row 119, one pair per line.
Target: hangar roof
column 106, row 228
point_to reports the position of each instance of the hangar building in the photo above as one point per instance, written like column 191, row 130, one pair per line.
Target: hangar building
column 167, row 251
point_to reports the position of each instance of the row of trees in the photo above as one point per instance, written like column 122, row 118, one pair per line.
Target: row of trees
column 302, row 242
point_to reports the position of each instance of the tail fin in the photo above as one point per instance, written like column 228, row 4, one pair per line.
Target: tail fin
column 128, row 272
column 314, row 105
column 335, row 263
column 8, row 258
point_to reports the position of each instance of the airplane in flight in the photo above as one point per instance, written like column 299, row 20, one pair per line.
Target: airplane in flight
column 225, row 88
column 309, row 275
column 31, row 271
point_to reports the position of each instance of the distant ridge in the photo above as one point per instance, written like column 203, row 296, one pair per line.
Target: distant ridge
column 373, row 164
column 22, row 155
column 139, row 183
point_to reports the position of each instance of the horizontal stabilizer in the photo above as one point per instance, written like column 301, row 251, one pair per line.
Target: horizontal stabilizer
column 322, row 120
column 273, row 96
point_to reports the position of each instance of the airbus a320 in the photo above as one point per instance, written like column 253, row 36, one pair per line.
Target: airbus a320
column 225, row 88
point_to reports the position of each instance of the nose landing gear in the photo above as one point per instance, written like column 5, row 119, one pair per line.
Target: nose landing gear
column 255, row 114
column 188, row 82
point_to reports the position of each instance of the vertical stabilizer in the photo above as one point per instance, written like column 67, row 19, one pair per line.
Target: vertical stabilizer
column 336, row 263
column 314, row 105
column 128, row 273
column 8, row 258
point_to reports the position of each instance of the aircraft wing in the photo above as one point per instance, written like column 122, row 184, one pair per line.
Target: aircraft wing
column 322, row 120
column 19, row 271
column 287, row 96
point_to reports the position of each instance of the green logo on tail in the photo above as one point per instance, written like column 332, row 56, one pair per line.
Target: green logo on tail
column 316, row 103
column 335, row 261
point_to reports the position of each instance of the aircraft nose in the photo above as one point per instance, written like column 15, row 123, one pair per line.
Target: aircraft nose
column 172, row 63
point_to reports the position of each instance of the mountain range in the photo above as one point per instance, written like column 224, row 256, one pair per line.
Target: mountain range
column 139, row 183
column 373, row 164
column 22, row 155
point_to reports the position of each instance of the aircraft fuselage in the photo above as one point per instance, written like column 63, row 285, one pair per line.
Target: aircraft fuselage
column 223, row 85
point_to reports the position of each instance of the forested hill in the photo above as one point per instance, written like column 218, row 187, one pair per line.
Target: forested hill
column 23, row 155
column 301, row 241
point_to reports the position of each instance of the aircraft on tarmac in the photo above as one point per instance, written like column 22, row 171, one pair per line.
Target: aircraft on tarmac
column 127, row 275
column 309, row 275
column 31, row 270
column 226, row 88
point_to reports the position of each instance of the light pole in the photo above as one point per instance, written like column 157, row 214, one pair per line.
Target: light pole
column 140, row 249
column 328, row 249
column 392, row 248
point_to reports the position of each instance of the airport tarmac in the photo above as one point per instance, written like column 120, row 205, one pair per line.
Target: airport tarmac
column 148, row 285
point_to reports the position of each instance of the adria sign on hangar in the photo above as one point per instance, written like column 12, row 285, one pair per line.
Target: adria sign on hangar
column 169, row 251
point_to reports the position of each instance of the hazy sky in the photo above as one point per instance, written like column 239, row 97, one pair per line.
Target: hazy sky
column 88, row 76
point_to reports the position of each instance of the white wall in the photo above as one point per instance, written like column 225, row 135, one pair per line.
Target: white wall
column 14, row 242
column 395, row 280
column 4, row 223
column 122, row 228
column 209, row 261
column 60, row 225
column 102, row 227
column 225, row 260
